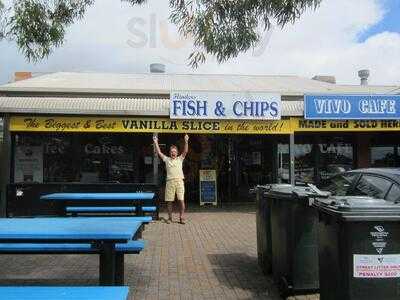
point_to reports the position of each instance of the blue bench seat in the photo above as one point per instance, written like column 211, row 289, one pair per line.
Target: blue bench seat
column 100, row 209
column 64, row 293
column 149, row 208
column 132, row 247
column 107, row 209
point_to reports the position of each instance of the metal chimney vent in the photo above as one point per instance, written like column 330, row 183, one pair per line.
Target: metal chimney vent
column 363, row 74
column 157, row 68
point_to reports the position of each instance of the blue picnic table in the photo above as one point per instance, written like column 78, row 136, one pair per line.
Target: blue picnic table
column 102, row 233
column 64, row 293
column 138, row 199
column 98, row 196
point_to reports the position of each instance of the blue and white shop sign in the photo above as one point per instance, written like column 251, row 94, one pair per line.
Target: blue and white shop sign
column 225, row 105
column 351, row 107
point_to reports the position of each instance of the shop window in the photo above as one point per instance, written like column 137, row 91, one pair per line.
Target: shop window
column 317, row 159
column 372, row 186
column 106, row 158
column 384, row 156
column 335, row 156
column 384, row 150
column 283, row 163
column 304, row 156
column 84, row 158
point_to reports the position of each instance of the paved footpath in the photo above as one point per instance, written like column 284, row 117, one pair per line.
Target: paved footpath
column 213, row 256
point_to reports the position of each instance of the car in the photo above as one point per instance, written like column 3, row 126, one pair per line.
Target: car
column 382, row 183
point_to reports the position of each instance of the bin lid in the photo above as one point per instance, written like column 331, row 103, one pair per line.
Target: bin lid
column 360, row 206
column 299, row 191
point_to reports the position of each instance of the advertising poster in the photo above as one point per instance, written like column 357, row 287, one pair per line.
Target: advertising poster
column 28, row 164
column 208, row 187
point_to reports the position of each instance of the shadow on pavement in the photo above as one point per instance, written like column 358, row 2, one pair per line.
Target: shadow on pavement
column 241, row 272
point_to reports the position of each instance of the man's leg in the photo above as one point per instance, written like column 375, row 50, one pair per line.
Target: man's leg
column 180, row 193
column 169, row 207
column 169, row 197
column 181, row 210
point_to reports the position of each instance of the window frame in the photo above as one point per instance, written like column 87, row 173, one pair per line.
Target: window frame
column 387, row 194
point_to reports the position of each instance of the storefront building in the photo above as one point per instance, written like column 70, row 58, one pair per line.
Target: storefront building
column 77, row 131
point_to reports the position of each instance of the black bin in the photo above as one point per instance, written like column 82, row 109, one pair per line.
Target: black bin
column 263, row 222
column 294, row 237
column 359, row 248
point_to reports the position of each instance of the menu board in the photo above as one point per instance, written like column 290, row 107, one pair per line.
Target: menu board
column 208, row 187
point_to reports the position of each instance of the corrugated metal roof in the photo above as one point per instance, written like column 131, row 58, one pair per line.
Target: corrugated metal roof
column 102, row 83
column 145, row 106
column 100, row 106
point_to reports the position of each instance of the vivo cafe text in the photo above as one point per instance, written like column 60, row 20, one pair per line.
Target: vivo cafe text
column 225, row 105
column 352, row 107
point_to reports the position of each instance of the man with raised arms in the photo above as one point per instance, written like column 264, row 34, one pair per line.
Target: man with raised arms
column 175, row 179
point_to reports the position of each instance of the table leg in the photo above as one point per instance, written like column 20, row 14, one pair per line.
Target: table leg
column 139, row 233
column 139, row 208
column 120, row 269
column 107, row 264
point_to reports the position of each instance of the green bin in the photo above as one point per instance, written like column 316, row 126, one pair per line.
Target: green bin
column 294, row 237
column 359, row 248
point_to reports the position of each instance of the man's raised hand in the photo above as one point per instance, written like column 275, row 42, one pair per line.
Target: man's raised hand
column 155, row 139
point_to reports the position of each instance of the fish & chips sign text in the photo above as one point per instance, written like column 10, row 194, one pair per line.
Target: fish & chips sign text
column 224, row 105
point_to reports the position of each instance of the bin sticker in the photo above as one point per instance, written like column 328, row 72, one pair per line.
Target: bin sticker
column 377, row 266
column 380, row 233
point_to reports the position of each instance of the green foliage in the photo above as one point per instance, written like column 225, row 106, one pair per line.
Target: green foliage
column 38, row 26
column 225, row 28
column 221, row 28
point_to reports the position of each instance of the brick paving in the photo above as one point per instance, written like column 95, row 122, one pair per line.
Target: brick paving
column 213, row 256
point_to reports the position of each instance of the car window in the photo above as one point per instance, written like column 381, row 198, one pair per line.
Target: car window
column 339, row 185
column 394, row 193
column 372, row 186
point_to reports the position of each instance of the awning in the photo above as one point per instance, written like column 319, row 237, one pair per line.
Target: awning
column 137, row 106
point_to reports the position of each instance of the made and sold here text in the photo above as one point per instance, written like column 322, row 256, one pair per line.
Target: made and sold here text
column 348, row 124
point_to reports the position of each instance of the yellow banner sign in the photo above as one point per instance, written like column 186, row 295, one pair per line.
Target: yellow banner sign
column 162, row 125
column 301, row 125
column 165, row 125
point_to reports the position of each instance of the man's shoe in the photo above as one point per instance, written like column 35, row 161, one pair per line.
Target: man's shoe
column 182, row 221
column 168, row 221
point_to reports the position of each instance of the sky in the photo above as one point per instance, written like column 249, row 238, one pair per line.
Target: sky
column 338, row 39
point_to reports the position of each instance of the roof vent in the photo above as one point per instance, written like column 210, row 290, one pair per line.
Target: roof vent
column 157, row 68
column 324, row 78
column 363, row 74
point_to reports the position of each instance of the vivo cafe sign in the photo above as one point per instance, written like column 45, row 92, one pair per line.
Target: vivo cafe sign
column 225, row 105
column 351, row 107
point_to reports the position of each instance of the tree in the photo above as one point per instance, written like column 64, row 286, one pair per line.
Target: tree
column 222, row 28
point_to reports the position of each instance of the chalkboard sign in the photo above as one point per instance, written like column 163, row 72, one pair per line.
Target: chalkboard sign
column 208, row 187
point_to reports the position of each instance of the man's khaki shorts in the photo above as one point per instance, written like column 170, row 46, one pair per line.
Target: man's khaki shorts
column 174, row 187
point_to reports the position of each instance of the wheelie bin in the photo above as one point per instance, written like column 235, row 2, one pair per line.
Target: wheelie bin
column 359, row 248
column 263, row 222
column 294, row 237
